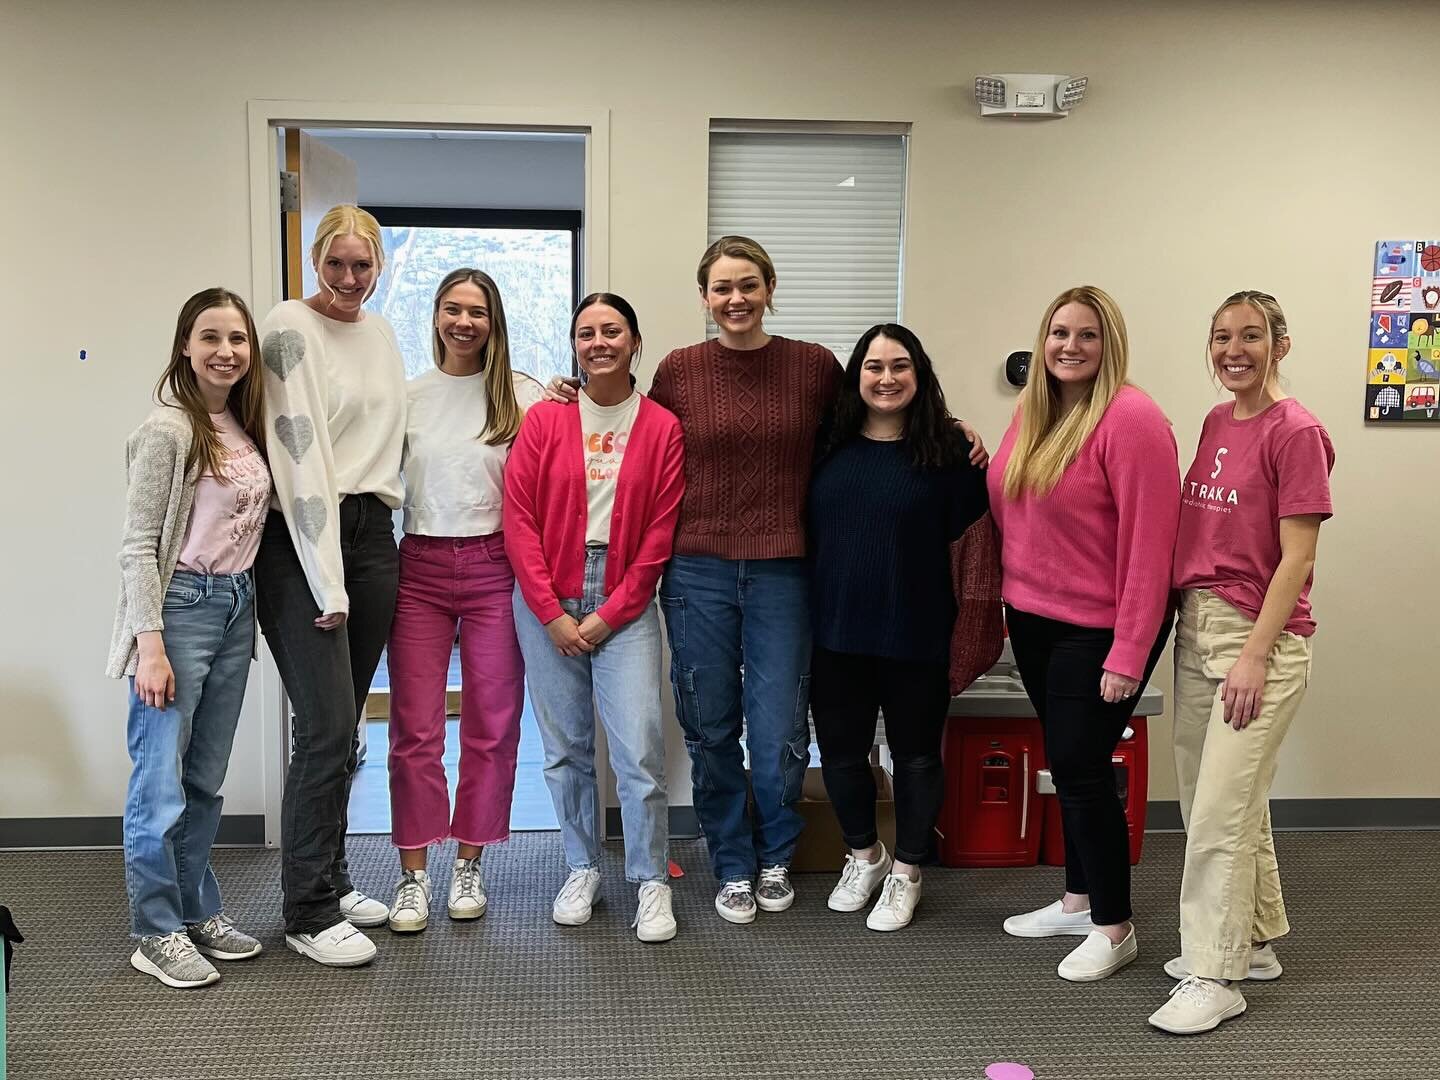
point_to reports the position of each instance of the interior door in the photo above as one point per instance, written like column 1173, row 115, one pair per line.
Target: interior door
column 325, row 178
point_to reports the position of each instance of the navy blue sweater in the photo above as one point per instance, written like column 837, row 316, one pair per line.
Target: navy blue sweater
column 880, row 534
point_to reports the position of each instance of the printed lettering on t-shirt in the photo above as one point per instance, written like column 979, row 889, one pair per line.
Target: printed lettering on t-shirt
column 605, row 451
column 1214, row 497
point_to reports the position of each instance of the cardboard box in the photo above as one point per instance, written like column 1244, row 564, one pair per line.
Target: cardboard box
column 821, row 847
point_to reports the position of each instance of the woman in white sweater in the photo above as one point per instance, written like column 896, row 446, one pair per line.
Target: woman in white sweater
column 462, row 418
column 327, row 570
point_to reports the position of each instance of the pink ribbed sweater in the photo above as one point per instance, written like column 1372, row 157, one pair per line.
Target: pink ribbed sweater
column 1096, row 551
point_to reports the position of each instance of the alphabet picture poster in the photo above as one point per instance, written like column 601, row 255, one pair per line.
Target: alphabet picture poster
column 1402, row 367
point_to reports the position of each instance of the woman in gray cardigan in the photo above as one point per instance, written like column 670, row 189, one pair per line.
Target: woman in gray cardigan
column 198, row 492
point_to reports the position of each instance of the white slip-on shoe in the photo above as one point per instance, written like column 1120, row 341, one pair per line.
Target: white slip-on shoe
column 1265, row 966
column 576, row 898
column 654, row 917
column 1095, row 957
column 340, row 945
column 467, row 890
column 858, row 882
column 361, row 910
column 896, row 906
column 1050, row 921
column 1197, row 1005
column 410, row 913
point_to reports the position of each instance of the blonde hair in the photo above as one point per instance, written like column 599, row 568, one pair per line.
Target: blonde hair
column 347, row 220
column 1049, row 436
column 738, row 247
column 502, row 420
column 179, row 388
column 1276, row 328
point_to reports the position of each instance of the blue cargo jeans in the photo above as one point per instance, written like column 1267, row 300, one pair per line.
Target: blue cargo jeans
column 739, row 633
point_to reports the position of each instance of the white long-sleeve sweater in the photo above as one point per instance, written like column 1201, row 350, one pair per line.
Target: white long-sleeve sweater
column 335, row 414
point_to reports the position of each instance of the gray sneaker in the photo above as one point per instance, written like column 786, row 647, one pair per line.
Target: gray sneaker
column 774, row 893
column 217, row 937
column 173, row 960
column 736, row 902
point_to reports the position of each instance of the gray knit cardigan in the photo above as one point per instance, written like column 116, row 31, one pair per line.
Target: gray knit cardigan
column 157, row 514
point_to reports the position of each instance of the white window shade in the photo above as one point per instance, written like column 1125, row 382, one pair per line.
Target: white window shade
column 827, row 207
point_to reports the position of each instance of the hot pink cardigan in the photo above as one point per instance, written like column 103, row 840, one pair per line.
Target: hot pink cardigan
column 546, row 510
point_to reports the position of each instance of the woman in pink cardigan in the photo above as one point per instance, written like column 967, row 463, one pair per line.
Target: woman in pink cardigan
column 1085, row 490
column 592, row 496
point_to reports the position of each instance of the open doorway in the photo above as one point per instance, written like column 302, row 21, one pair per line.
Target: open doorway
column 509, row 203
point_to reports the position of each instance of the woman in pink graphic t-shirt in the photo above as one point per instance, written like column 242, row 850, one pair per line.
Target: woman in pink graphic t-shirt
column 1251, row 508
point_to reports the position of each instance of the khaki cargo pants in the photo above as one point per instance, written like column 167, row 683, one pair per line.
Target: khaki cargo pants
column 1230, row 895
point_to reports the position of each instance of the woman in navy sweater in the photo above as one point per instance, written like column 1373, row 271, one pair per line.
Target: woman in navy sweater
column 893, row 488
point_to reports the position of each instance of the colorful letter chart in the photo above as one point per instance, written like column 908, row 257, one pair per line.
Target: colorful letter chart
column 1402, row 366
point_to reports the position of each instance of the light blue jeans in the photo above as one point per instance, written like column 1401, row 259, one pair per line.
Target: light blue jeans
column 180, row 753
column 621, row 681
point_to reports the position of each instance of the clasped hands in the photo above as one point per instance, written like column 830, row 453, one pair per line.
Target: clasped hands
column 572, row 638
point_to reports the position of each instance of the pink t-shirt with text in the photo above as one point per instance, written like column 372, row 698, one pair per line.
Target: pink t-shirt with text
column 1247, row 475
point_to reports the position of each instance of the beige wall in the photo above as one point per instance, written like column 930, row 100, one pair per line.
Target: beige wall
column 1223, row 146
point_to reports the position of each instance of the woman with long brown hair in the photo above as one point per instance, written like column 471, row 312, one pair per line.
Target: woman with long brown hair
column 454, row 574
column 185, row 631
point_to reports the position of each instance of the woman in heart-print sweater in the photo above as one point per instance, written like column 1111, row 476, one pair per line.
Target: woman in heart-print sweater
column 327, row 571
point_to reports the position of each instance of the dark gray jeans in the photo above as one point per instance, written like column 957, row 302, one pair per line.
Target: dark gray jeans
column 327, row 675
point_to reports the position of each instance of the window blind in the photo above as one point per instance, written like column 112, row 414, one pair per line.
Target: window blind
column 828, row 208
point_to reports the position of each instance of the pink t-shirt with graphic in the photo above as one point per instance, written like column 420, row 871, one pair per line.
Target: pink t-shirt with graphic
column 1247, row 475
column 227, row 519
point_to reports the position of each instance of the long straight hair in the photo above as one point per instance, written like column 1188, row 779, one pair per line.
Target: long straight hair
column 1050, row 437
column 931, row 436
column 178, row 387
column 502, row 419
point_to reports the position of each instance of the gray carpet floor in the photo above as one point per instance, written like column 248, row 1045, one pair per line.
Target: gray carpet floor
column 804, row 994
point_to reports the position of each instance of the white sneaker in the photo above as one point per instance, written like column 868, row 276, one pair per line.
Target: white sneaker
column 576, row 898
column 896, row 906
column 1198, row 1005
column 467, row 890
column 340, row 945
column 1095, row 957
column 654, row 919
column 1049, row 921
column 360, row 910
column 1264, row 965
column 858, row 882
column 410, row 913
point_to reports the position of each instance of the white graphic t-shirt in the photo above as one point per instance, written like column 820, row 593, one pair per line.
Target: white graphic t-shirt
column 605, row 430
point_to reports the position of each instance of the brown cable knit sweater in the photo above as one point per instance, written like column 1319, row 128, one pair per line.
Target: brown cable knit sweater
column 750, row 420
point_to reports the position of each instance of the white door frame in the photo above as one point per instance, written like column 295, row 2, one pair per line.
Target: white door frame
column 266, row 276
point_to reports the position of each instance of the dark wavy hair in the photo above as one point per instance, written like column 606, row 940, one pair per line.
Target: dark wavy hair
column 931, row 435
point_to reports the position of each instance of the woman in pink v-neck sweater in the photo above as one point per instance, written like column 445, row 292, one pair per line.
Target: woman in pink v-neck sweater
column 1085, row 491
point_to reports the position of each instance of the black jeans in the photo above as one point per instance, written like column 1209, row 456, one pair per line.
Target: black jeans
column 327, row 676
column 1061, row 665
column 846, row 693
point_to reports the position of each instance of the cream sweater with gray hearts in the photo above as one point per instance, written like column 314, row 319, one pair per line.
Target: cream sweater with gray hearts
column 335, row 416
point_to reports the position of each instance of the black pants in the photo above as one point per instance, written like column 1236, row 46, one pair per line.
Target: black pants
column 846, row 694
column 327, row 676
column 1061, row 665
